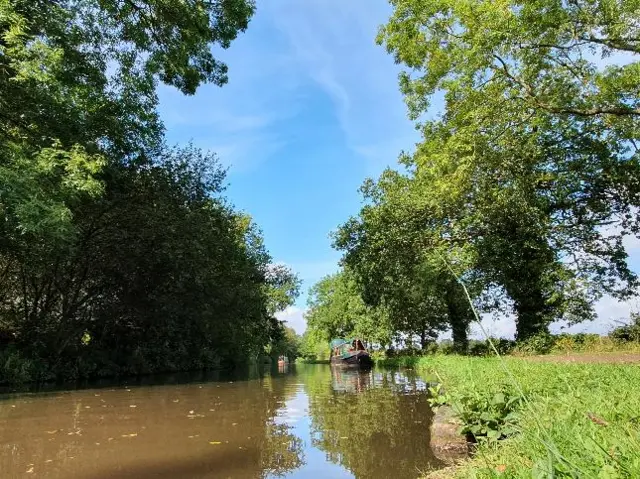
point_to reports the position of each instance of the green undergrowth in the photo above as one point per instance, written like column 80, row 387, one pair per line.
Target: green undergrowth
column 312, row 361
column 540, row 419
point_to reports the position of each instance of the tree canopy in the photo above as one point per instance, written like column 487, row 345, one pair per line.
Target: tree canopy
column 533, row 164
column 119, row 254
column 525, row 181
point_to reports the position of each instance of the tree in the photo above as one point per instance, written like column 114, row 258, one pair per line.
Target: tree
column 283, row 286
column 162, row 275
column 118, row 254
column 80, row 77
column 314, row 345
column 534, row 161
column 289, row 345
column 397, row 253
column 336, row 309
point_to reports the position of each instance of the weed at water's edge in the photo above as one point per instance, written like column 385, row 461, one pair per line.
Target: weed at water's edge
column 581, row 420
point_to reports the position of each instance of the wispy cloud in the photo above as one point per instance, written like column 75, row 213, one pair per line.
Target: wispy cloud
column 242, row 121
column 333, row 42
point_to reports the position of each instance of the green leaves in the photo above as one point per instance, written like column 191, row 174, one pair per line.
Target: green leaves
column 336, row 309
column 105, row 233
column 40, row 191
column 282, row 287
column 487, row 416
column 531, row 167
column 177, row 36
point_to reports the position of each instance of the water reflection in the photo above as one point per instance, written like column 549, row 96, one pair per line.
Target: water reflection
column 375, row 424
column 291, row 422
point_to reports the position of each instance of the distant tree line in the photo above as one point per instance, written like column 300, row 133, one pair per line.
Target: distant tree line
column 119, row 254
column 522, row 188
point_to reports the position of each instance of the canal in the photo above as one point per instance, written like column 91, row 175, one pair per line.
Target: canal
column 303, row 421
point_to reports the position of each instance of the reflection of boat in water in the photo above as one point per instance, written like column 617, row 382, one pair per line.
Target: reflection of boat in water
column 375, row 424
column 283, row 360
column 350, row 353
column 283, row 364
column 350, row 380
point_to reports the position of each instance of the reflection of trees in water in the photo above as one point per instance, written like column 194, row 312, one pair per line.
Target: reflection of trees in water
column 281, row 451
column 164, row 441
column 364, row 423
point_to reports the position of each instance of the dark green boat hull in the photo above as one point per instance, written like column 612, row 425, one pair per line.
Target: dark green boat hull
column 356, row 359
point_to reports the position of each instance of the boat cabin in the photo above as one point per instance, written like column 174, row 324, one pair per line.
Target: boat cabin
column 342, row 347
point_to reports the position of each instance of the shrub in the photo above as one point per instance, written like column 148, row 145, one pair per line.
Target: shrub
column 479, row 348
column 629, row 332
column 378, row 355
column 432, row 348
column 446, row 347
column 14, row 368
column 486, row 415
column 503, row 345
column 541, row 343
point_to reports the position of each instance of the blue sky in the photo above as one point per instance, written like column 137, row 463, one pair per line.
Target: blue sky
column 311, row 109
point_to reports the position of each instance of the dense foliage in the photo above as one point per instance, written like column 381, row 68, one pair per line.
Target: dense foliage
column 117, row 253
column 525, row 184
column 288, row 344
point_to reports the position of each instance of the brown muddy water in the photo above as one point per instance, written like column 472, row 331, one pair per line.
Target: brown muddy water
column 304, row 421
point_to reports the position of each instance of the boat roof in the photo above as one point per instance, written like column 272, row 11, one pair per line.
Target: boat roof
column 337, row 342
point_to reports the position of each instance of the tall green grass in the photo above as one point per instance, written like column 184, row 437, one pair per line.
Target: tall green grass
column 564, row 420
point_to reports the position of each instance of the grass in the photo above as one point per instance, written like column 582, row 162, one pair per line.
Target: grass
column 312, row 361
column 574, row 343
column 541, row 419
column 594, row 344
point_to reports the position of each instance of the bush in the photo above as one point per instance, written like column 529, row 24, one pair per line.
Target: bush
column 379, row 355
column 629, row 332
column 409, row 350
column 484, row 348
column 432, row 348
column 446, row 347
column 479, row 348
column 541, row 343
column 578, row 342
column 504, row 346
column 14, row 368
column 486, row 415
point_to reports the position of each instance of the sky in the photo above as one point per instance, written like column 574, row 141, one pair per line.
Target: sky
column 311, row 109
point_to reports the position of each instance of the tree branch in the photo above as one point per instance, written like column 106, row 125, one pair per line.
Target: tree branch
column 618, row 111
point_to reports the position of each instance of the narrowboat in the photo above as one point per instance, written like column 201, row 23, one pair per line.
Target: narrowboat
column 350, row 352
column 282, row 360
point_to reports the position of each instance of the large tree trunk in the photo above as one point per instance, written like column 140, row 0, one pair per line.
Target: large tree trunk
column 533, row 315
column 423, row 339
column 460, row 315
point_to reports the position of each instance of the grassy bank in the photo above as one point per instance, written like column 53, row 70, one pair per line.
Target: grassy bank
column 555, row 419
column 312, row 361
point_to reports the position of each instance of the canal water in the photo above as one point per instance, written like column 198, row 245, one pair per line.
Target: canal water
column 303, row 421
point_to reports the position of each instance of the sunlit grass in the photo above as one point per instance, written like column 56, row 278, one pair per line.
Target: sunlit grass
column 578, row 420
